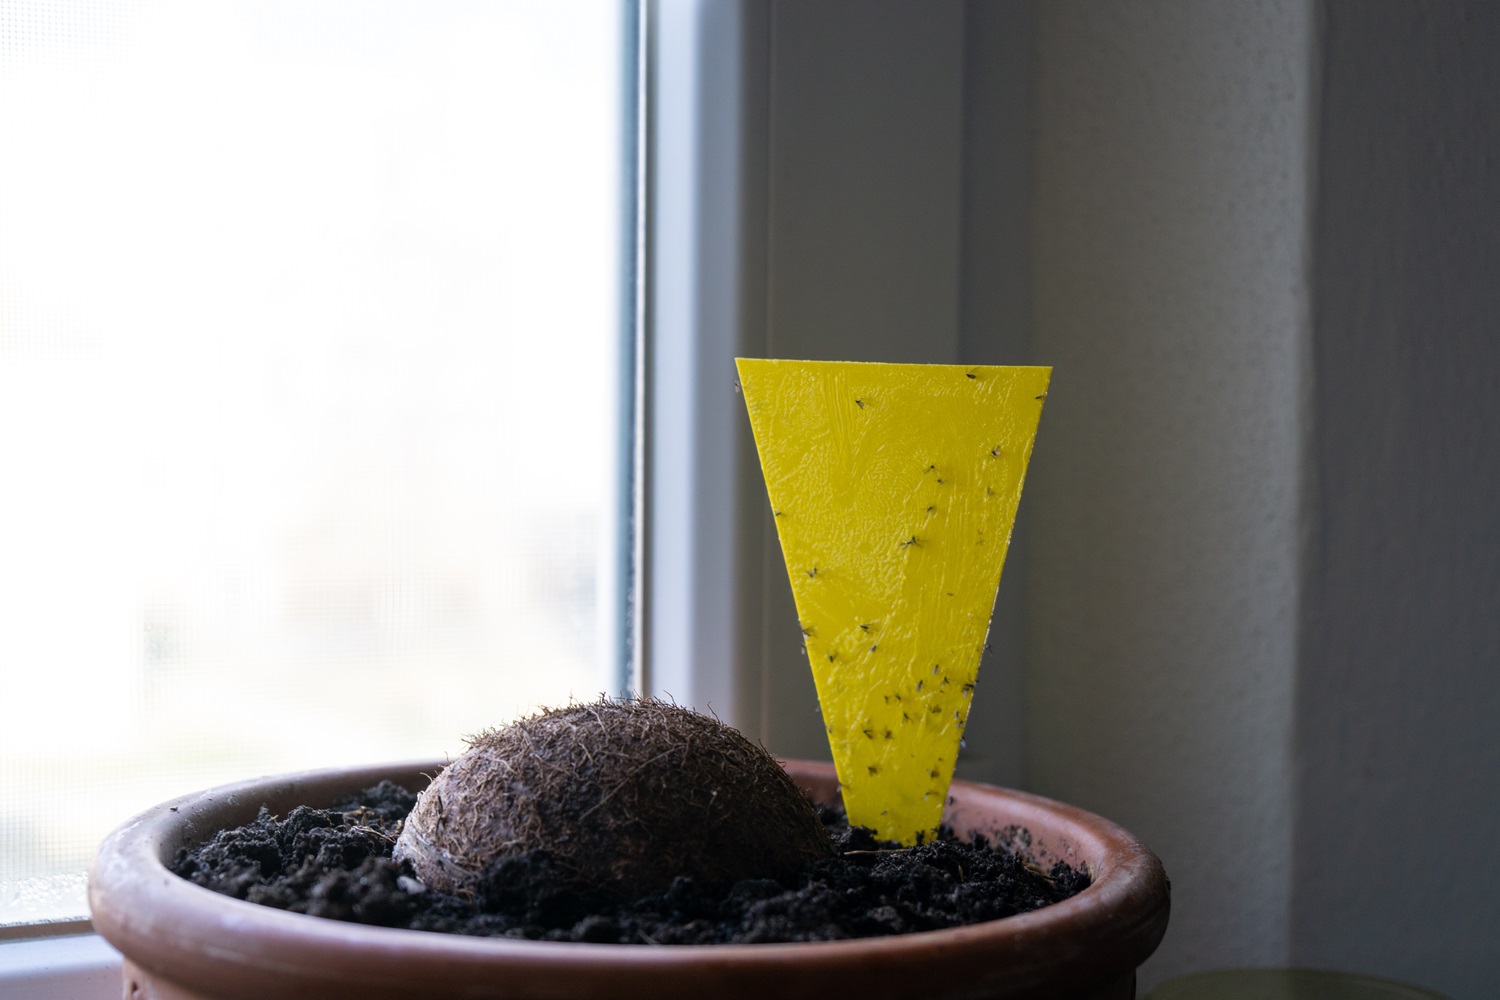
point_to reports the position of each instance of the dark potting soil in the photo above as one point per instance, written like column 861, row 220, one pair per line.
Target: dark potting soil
column 337, row 863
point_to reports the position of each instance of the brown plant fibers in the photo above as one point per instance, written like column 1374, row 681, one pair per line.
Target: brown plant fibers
column 624, row 795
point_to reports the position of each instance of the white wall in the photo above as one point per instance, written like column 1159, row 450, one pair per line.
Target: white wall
column 1169, row 249
column 1398, row 702
column 1265, row 576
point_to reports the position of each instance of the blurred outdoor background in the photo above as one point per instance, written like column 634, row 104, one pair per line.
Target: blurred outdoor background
column 309, row 335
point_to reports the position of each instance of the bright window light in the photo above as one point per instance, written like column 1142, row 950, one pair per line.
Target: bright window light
column 310, row 319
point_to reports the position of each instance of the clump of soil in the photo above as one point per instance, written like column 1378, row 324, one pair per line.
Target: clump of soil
column 623, row 796
column 337, row 863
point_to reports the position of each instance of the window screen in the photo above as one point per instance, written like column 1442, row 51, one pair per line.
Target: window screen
column 310, row 333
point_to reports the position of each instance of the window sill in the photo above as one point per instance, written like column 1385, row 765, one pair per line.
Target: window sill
column 75, row 967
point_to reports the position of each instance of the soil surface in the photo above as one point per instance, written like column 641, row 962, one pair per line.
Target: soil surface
column 337, row 863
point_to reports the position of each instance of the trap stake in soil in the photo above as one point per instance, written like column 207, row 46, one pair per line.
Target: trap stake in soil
column 894, row 490
column 623, row 795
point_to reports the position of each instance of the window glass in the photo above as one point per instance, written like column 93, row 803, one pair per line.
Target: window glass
column 310, row 319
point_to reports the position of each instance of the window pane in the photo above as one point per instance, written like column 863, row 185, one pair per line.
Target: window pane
column 309, row 327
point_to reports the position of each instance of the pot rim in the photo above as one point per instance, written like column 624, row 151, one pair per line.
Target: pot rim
column 169, row 926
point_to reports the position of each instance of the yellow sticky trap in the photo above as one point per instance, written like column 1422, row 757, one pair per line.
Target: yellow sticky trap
column 894, row 490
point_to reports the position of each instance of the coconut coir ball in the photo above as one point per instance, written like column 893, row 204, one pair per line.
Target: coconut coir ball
column 624, row 795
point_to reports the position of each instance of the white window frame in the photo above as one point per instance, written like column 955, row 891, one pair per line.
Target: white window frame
column 78, row 966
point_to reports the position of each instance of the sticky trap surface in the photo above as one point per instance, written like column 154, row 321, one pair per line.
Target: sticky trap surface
column 894, row 490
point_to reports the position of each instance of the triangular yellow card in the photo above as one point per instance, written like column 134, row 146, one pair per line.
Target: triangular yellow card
column 894, row 490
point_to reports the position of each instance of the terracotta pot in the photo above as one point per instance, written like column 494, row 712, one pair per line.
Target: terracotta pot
column 181, row 941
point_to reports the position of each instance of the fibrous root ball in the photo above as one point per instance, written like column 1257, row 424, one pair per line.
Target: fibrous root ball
column 627, row 795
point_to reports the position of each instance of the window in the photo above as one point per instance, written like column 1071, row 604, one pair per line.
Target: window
column 312, row 323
